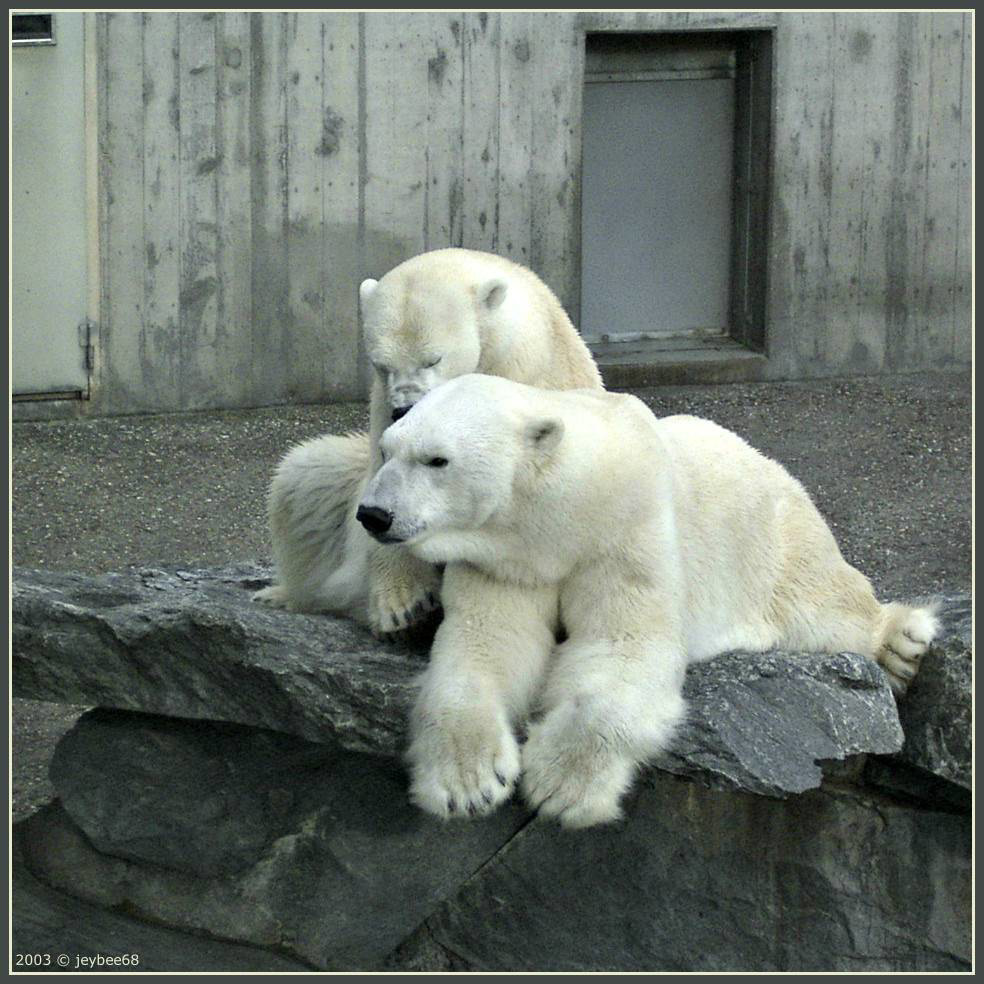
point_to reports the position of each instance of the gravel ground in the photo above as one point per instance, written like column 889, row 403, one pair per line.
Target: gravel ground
column 887, row 460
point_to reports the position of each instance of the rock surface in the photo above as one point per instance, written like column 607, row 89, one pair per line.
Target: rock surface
column 937, row 711
column 702, row 880
column 335, row 868
column 338, row 871
column 192, row 644
column 51, row 923
column 240, row 782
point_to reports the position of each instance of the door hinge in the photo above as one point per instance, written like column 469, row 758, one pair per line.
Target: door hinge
column 86, row 333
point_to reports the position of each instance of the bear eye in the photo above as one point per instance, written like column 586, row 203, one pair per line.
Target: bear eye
column 437, row 463
column 430, row 365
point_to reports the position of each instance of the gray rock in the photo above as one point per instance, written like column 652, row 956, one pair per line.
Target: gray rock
column 251, row 814
column 203, row 797
column 763, row 722
column 936, row 713
column 336, row 872
column 701, row 880
column 52, row 923
column 192, row 644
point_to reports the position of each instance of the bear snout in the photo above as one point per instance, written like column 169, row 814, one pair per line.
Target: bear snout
column 377, row 521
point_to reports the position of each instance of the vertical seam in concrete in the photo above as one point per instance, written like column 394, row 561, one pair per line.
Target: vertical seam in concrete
column 181, row 321
column 254, row 29
column 103, row 175
column 363, row 181
column 218, row 150
column 284, row 154
column 458, row 238
column 498, row 131
column 142, row 336
column 328, row 345
column 956, row 303
column 928, row 286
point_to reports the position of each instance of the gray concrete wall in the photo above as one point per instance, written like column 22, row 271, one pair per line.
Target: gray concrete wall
column 255, row 167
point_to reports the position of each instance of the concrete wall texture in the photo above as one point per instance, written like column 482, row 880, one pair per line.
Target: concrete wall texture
column 254, row 167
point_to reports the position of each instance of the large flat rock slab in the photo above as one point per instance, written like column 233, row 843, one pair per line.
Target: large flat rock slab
column 192, row 644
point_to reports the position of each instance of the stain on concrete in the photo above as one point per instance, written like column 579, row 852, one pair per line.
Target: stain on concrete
column 456, row 195
column 521, row 49
column 860, row 45
column 233, row 57
column 208, row 165
column 331, row 133
column 195, row 295
column 436, row 67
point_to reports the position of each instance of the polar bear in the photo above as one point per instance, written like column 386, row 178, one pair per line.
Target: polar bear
column 649, row 543
column 434, row 317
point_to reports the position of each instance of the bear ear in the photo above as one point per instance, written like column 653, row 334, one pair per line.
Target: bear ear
column 492, row 293
column 544, row 433
column 366, row 289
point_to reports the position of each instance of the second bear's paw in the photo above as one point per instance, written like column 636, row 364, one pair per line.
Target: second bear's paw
column 463, row 768
column 275, row 596
column 571, row 772
column 397, row 603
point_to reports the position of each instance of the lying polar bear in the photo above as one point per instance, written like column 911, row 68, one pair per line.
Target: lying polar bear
column 651, row 543
column 433, row 317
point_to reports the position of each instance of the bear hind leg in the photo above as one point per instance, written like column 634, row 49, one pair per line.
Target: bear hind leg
column 318, row 549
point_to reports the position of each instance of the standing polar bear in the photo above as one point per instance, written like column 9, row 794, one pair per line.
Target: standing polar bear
column 434, row 317
column 651, row 543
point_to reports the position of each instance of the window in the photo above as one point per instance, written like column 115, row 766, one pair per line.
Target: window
column 32, row 29
column 674, row 178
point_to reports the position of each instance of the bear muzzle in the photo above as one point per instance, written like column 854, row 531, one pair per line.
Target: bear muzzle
column 377, row 522
column 399, row 412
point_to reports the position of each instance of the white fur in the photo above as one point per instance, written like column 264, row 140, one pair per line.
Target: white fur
column 653, row 543
column 432, row 318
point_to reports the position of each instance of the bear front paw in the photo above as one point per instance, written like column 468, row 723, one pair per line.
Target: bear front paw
column 571, row 772
column 465, row 769
column 397, row 603
column 275, row 596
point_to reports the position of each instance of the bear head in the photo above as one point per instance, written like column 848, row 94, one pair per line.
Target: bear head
column 456, row 464
column 424, row 325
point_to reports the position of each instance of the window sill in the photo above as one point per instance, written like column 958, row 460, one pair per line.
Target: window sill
column 671, row 362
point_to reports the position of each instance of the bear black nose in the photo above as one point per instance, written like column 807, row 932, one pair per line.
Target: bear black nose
column 375, row 520
column 401, row 412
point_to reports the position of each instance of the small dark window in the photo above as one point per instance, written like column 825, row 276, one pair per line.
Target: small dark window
column 32, row 29
column 674, row 187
